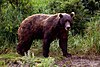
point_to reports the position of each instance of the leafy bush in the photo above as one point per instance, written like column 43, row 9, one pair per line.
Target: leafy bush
column 11, row 15
column 91, row 5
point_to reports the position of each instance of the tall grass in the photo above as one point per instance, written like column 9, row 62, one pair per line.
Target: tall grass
column 90, row 42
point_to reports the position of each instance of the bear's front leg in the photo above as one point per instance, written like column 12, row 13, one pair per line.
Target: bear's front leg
column 63, row 44
column 46, row 45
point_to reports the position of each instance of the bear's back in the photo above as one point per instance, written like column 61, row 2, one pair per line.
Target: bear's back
column 36, row 17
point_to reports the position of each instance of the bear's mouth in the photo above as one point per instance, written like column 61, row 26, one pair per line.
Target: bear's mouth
column 67, row 26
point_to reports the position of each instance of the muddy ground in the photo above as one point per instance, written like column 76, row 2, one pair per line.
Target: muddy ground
column 74, row 61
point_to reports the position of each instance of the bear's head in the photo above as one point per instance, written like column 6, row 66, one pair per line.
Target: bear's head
column 66, row 20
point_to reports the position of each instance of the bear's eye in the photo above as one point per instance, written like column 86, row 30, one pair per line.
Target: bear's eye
column 66, row 20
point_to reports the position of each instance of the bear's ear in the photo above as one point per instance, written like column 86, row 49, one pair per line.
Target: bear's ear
column 72, row 14
column 60, row 15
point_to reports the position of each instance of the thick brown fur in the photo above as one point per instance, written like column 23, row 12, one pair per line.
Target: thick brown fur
column 45, row 27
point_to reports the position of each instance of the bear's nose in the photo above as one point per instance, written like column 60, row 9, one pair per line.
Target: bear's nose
column 68, row 28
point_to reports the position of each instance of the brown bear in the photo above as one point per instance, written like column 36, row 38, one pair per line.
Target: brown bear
column 45, row 27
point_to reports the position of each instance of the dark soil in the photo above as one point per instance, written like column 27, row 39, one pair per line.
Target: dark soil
column 80, row 61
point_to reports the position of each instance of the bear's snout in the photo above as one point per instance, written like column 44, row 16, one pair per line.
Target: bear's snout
column 67, row 26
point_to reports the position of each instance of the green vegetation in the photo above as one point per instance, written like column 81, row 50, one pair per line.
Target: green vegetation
column 84, row 38
column 90, row 42
column 30, row 60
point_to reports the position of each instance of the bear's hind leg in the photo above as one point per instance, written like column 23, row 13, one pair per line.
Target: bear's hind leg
column 24, row 45
column 19, row 49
